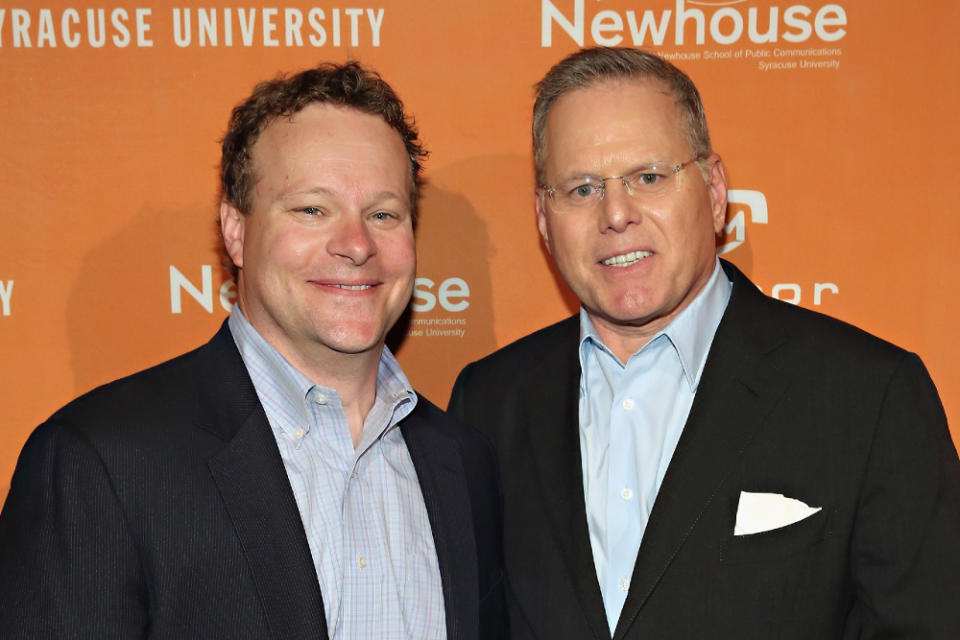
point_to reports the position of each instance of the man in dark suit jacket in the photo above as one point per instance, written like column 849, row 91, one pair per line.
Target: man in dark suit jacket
column 807, row 487
column 183, row 501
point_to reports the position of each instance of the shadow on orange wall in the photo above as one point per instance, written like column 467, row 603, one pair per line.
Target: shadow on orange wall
column 453, row 245
column 129, row 324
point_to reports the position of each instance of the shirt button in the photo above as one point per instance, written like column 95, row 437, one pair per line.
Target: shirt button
column 320, row 398
column 298, row 434
column 362, row 562
column 624, row 584
column 626, row 493
column 628, row 404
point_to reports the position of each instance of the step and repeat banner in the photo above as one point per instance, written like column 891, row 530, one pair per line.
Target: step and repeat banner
column 836, row 121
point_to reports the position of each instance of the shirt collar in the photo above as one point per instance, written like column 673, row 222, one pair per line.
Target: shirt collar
column 294, row 390
column 393, row 387
column 690, row 333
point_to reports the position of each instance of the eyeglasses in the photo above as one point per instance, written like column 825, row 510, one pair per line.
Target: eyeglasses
column 648, row 183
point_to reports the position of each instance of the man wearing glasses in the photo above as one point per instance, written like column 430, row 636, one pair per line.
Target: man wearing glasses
column 687, row 458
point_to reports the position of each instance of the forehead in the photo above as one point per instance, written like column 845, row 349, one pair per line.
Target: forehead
column 615, row 118
column 330, row 143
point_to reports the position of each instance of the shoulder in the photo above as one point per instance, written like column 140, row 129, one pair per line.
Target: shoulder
column 160, row 423
column 833, row 339
column 833, row 370
column 153, row 410
column 753, row 319
column 122, row 425
column 160, row 387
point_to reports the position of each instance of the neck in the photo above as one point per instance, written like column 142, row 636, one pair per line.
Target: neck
column 354, row 376
column 624, row 340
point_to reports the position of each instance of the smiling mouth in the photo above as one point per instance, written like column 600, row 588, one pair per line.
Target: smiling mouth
column 627, row 259
column 343, row 287
column 353, row 287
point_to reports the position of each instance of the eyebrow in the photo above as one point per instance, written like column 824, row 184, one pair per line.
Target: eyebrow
column 291, row 192
column 634, row 169
column 323, row 191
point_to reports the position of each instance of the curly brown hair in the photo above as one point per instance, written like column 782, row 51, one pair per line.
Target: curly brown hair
column 349, row 85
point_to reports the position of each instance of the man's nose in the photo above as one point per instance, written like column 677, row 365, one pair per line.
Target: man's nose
column 618, row 209
column 351, row 239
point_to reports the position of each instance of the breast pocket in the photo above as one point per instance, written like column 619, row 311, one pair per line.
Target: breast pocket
column 776, row 544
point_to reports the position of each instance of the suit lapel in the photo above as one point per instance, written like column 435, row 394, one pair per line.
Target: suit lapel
column 551, row 394
column 440, row 471
column 255, row 490
column 735, row 393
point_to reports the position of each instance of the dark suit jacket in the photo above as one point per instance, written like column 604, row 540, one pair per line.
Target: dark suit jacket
column 158, row 506
column 790, row 402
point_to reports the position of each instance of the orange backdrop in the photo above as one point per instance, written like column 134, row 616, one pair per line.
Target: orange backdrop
column 836, row 122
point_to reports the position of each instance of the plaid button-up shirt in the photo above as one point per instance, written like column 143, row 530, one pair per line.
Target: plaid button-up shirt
column 362, row 508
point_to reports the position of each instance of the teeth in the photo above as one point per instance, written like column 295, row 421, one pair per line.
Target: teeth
column 627, row 259
column 353, row 287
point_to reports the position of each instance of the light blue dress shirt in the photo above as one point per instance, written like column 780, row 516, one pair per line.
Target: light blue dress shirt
column 631, row 418
column 362, row 508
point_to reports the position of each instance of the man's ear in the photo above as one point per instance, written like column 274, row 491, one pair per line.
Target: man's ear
column 542, row 220
column 718, row 192
column 232, row 225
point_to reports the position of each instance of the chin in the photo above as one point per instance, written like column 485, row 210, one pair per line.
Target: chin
column 633, row 313
column 352, row 343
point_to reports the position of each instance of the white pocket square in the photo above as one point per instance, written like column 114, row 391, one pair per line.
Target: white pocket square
column 759, row 512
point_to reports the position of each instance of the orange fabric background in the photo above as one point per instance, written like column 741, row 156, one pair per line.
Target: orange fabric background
column 108, row 159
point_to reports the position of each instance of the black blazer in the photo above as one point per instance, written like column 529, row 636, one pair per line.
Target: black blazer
column 158, row 507
column 790, row 402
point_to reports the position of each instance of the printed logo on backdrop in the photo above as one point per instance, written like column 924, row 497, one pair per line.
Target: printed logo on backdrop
column 747, row 204
column 121, row 27
column 6, row 292
column 769, row 37
column 736, row 230
column 181, row 284
column 437, row 306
